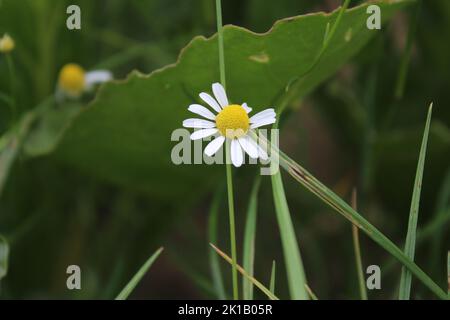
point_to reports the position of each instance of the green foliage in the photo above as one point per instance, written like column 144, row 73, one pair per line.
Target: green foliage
column 92, row 181
column 126, row 291
column 4, row 254
column 410, row 243
column 130, row 122
column 248, row 251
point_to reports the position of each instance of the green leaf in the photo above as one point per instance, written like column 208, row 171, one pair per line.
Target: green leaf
column 448, row 274
column 4, row 254
column 48, row 128
column 124, row 135
column 126, row 291
column 213, row 259
column 10, row 144
column 272, row 277
column 410, row 243
column 294, row 266
column 249, row 240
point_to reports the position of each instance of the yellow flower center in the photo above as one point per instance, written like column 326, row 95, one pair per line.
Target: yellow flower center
column 232, row 121
column 6, row 43
column 71, row 79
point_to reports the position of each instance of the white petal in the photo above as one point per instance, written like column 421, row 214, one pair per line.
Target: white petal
column 198, row 123
column 214, row 145
column 202, row 111
column 200, row 134
column 210, row 101
column 246, row 107
column 263, row 122
column 219, row 93
column 262, row 154
column 249, row 147
column 237, row 158
column 97, row 76
column 263, row 114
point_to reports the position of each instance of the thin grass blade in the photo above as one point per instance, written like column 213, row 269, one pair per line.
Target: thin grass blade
column 294, row 265
column 126, row 291
column 448, row 274
column 357, row 250
column 4, row 256
column 249, row 240
column 216, row 273
column 306, row 179
column 410, row 244
column 272, row 277
column 311, row 293
column 258, row 284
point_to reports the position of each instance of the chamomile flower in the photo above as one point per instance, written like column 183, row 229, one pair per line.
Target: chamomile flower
column 73, row 81
column 230, row 121
column 6, row 43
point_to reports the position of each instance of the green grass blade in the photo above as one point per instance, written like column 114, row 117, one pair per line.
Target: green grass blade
column 448, row 274
column 138, row 276
column 311, row 293
column 440, row 219
column 216, row 273
column 272, row 277
column 406, row 55
column 258, row 284
column 249, row 240
column 294, row 266
column 357, row 250
column 306, row 179
column 4, row 255
column 410, row 244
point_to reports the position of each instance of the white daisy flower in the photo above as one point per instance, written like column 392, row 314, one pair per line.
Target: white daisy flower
column 232, row 122
column 73, row 81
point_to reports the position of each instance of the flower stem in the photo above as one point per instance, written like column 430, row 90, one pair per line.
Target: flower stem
column 357, row 250
column 12, row 80
column 227, row 154
column 232, row 224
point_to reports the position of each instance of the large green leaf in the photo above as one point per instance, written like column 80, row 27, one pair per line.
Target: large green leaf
column 124, row 134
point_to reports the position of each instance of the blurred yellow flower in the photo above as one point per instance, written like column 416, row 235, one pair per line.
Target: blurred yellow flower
column 74, row 80
column 6, row 43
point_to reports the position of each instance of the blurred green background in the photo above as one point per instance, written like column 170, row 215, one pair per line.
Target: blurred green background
column 350, row 132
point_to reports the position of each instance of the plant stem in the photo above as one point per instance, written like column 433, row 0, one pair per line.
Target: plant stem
column 406, row 56
column 258, row 284
column 227, row 162
column 12, row 79
column 232, row 224
column 357, row 249
column 213, row 259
